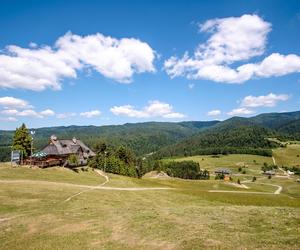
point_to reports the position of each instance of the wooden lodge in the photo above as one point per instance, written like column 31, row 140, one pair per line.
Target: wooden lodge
column 57, row 153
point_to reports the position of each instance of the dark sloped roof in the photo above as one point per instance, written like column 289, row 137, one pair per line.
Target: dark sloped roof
column 65, row 147
column 50, row 150
column 223, row 171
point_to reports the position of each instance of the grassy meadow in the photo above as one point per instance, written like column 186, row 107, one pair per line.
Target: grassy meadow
column 34, row 213
column 252, row 163
column 289, row 156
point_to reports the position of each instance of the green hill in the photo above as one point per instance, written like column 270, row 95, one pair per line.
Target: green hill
column 237, row 134
column 275, row 120
column 224, row 138
column 142, row 138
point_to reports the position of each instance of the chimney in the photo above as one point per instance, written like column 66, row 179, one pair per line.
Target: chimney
column 53, row 138
column 74, row 140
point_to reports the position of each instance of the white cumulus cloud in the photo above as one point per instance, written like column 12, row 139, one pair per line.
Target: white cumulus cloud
column 47, row 112
column 12, row 102
column 232, row 40
column 241, row 111
column 90, row 114
column 65, row 115
column 29, row 113
column 38, row 68
column 215, row 112
column 153, row 109
column 17, row 107
column 269, row 100
column 8, row 119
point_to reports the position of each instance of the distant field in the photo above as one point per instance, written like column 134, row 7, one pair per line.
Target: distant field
column 252, row 163
column 35, row 215
column 289, row 156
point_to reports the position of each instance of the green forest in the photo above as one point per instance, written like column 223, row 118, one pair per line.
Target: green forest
column 164, row 139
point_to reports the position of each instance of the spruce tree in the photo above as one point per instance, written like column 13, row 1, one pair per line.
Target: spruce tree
column 22, row 140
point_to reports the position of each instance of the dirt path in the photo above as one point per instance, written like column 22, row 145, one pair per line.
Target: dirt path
column 274, row 162
column 237, row 192
column 82, row 186
column 277, row 191
column 104, row 175
column 86, row 187
column 101, row 186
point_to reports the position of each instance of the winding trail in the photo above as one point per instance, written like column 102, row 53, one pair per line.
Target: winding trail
column 90, row 188
column 274, row 162
column 87, row 187
column 237, row 192
column 277, row 191
column 112, row 188
column 102, row 187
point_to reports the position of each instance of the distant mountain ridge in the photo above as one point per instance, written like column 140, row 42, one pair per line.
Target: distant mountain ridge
column 148, row 137
column 239, row 135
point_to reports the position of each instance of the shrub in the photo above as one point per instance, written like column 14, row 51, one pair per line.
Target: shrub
column 73, row 160
column 120, row 161
column 185, row 170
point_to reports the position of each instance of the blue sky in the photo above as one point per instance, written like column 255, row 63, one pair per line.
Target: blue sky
column 112, row 62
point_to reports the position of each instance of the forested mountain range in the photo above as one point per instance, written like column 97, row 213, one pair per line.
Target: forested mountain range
column 236, row 134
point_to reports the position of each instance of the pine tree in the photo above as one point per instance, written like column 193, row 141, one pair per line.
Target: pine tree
column 22, row 140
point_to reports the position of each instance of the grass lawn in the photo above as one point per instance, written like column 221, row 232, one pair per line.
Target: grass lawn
column 56, row 174
column 252, row 163
column 35, row 216
column 289, row 156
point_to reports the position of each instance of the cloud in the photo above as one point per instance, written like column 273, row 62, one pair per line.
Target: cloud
column 8, row 119
column 241, row 111
column 269, row 100
column 232, row 40
column 91, row 113
column 24, row 113
column 153, row 109
column 37, row 68
column 10, row 112
column 12, row 102
column 65, row 115
column 214, row 112
column 191, row 85
column 29, row 113
column 47, row 112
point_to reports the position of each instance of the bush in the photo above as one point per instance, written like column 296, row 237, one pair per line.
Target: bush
column 185, row 170
column 120, row 161
column 219, row 177
column 267, row 167
column 73, row 160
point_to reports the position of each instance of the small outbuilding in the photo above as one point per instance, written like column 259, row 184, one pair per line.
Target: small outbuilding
column 223, row 171
column 269, row 172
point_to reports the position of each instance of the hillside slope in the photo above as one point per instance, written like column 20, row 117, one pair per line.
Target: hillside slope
column 142, row 138
column 235, row 135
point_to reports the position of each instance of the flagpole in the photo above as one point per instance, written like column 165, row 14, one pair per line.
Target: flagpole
column 32, row 132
